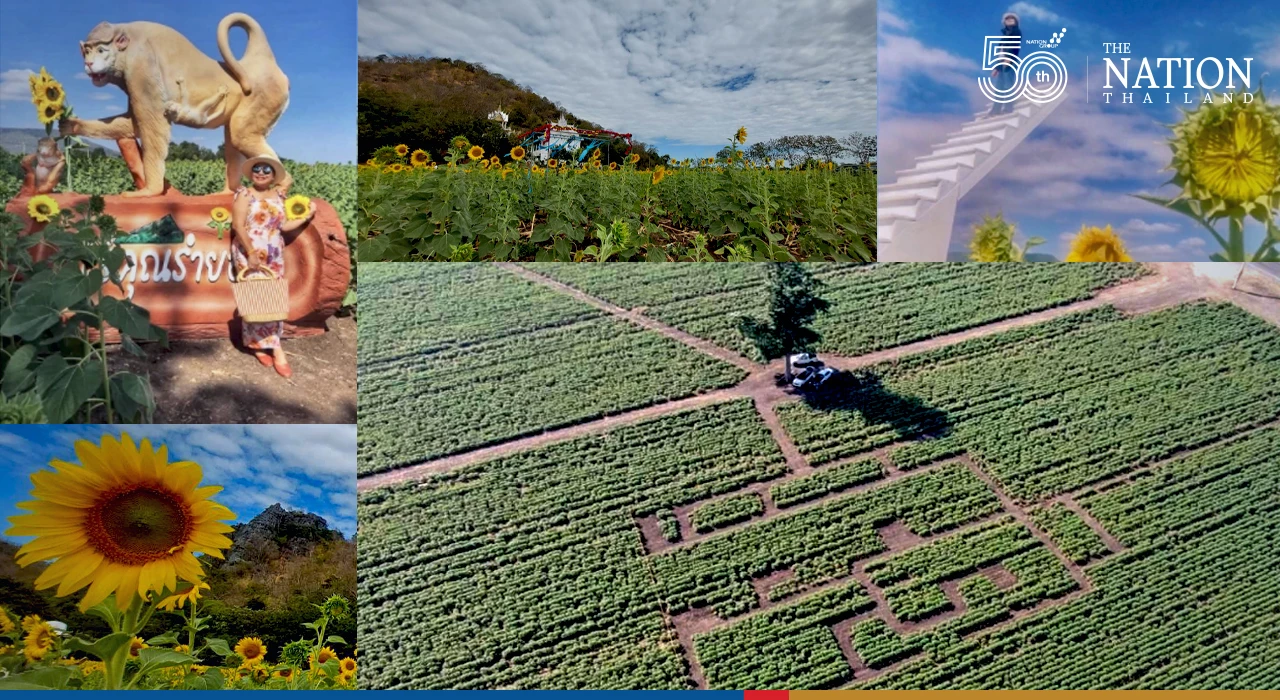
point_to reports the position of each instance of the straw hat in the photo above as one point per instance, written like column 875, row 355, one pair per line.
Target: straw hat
column 276, row 166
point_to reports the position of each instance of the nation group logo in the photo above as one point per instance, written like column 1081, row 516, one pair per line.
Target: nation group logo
column 1039, row 76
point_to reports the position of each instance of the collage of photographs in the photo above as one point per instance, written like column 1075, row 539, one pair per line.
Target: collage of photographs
column 659, row 345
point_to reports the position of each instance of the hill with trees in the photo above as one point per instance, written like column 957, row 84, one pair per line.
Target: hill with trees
column 425, row 102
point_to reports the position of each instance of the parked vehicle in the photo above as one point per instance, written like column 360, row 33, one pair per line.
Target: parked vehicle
column 804, row 377
column 821, row 377
column 805, row 359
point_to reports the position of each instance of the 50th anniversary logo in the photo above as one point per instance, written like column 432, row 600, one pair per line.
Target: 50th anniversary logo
column 1041, row 76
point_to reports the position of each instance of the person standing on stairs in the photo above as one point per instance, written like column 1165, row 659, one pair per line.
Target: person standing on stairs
column 1003, row 74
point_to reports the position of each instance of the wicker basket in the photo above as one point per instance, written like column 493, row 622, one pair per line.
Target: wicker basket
column 261, row 299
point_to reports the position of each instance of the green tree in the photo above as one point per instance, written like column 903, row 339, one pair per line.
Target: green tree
column 794, row 304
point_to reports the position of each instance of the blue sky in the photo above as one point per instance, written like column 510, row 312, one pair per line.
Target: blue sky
column 314, row 43
column 303, row 467
column 1083, row 163
column 680, row 75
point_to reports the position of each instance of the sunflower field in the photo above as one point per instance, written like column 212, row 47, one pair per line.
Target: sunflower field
column 120, row 531
column 477, row 206
column 103, row 174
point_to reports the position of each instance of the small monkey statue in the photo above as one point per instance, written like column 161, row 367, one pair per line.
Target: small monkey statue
column 43, row 168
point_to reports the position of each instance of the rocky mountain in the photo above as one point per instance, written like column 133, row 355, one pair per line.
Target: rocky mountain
column 276, row 533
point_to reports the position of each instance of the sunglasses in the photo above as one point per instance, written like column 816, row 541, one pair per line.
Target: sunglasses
column 263, row 169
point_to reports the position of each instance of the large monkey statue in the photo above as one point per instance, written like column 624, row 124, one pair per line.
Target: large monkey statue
column 43, row 168
column 167, row 79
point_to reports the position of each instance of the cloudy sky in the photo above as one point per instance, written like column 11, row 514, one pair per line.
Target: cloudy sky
column 303, row 467
column 1083, row 163
column 314, row 46
column 681, row 75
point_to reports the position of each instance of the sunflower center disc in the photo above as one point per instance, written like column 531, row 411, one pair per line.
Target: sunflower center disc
column 139, row 525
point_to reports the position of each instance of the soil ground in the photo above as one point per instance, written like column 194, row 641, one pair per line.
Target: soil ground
column 213, row 381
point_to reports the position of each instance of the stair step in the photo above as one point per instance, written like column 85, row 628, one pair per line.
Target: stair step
column 907, row 193
column 917, row 177
column 903, row 211
column 958, row 137
column 933, row 162
column 949, row 149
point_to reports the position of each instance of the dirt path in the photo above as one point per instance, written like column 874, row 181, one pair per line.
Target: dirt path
column 635, row 317
column 1087, row 518
column 211, row 381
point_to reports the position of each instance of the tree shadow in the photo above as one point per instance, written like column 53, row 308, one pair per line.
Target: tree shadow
column 864, row 393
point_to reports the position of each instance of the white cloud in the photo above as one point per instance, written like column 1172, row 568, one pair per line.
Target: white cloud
column 80, row 76
column 660, row 70
column 1140, row 227
column 1036, row 12
column 101, row 96
column 15, row 85
column 1185, row 250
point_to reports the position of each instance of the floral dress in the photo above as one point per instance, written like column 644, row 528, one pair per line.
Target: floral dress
column 265, row 216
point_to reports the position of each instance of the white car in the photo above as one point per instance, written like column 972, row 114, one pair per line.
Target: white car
column 805, row 359
column 822, row 376
column 803, row 377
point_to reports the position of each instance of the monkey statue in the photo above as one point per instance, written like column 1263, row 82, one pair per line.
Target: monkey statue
column 43, row 168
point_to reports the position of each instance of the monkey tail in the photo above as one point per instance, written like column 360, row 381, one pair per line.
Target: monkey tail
column 256, row 48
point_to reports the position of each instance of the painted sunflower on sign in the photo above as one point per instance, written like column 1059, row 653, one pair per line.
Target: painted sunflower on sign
column 43, row 208
column 124, row 520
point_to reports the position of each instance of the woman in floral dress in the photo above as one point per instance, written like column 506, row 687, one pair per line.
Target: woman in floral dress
column 259, row 222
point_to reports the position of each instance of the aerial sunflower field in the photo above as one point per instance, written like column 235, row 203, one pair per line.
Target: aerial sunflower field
column 477, row 206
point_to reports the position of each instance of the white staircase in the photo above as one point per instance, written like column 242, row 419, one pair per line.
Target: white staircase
column 916, row 213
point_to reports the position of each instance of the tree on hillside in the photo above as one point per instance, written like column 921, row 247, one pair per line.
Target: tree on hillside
column 794, row 303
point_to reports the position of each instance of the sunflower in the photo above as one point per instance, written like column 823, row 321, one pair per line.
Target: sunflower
column 461, row 143
column 348, row 665
column 220, row 214
column 252, row 650
column 1227, row 156
column 297, row 207
column 551, row 163
column 535, row 170
column 181, row 598
column 1095, row 244
column 506, row 172
column 741, row 136
column 613, row 166
column 658, row 175
column 475, row 153
column 39, row 81
column 51, row 91
column 285, row 673
column 495, row 160
column 136, row 645
column 387, row 169
column 402, row 150
column 6, row 622
column 371, row 161
column 125, row 520
column 346, row 679
column 42, row 208
column 517, row 153
column 182, row 649
column 633, row 158
column 484, row 165
column 38, row 641
column 49, row 112
column 420, row 157
column 322, row 656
